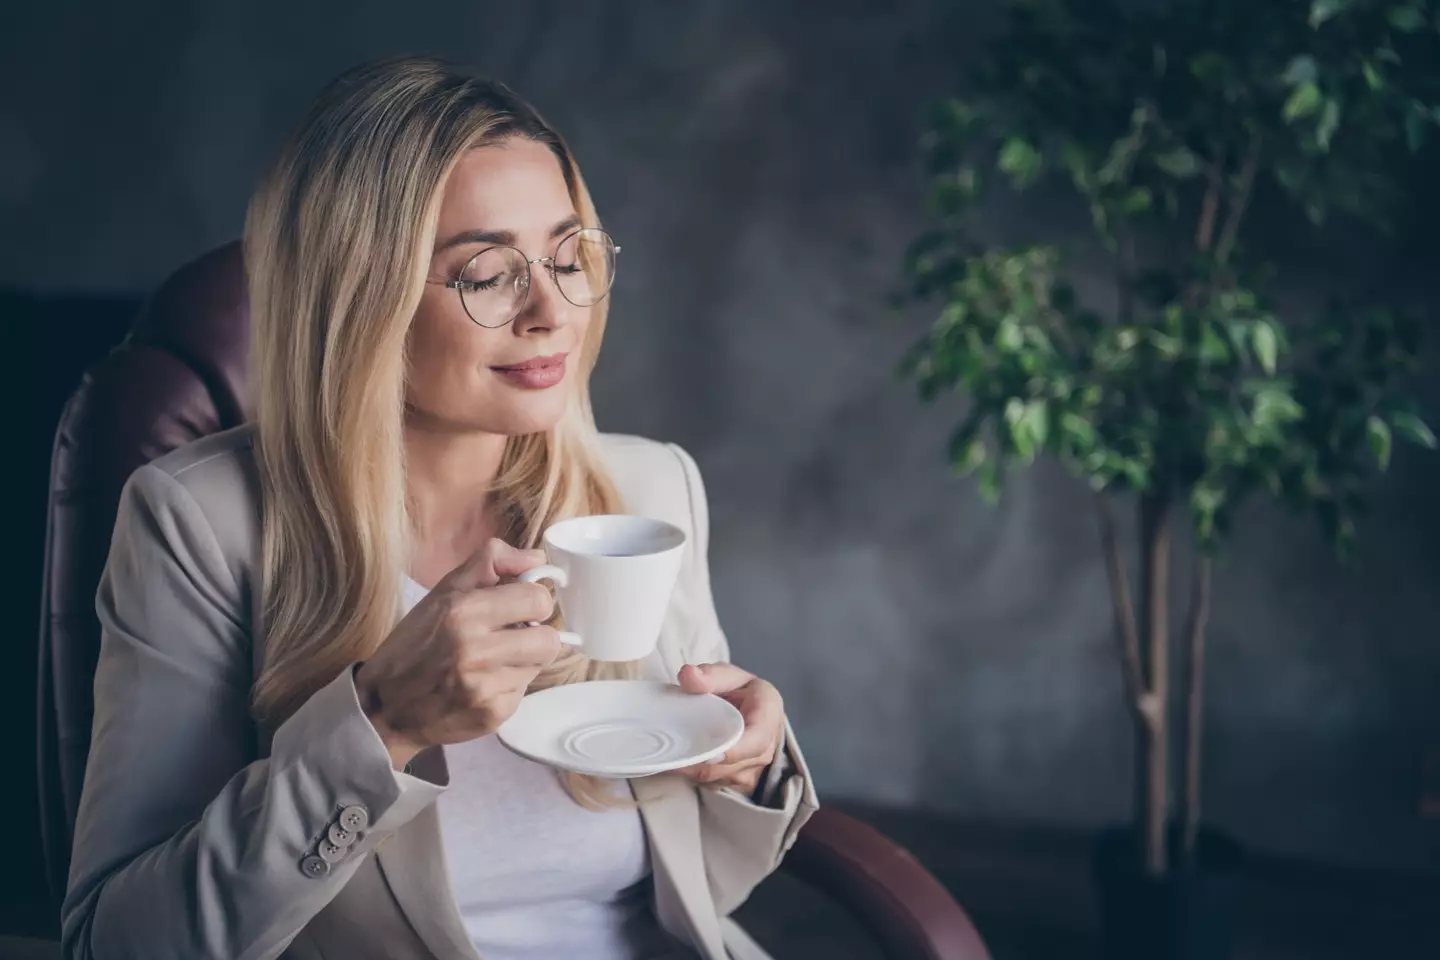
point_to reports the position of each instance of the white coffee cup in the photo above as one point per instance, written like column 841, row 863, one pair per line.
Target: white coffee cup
column 613, row 575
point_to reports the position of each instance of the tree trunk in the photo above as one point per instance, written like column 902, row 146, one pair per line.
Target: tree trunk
column 1155, row 515
column 1194, row 706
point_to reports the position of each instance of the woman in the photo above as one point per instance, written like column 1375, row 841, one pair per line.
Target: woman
column 310, row 624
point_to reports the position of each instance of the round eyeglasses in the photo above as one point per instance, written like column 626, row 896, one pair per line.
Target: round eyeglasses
column 495, row 283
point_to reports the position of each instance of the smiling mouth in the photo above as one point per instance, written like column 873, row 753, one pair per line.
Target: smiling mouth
column 534, row 363
column 537, row 373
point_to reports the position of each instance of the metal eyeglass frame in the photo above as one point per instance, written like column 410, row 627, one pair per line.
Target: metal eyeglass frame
column 457, row 283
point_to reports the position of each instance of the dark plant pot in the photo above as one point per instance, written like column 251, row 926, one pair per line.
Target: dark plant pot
column 1188, row 914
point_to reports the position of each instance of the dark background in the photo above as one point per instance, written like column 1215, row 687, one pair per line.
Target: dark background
column 757, row 161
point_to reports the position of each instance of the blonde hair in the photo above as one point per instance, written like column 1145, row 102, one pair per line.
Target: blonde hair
column 337, row 245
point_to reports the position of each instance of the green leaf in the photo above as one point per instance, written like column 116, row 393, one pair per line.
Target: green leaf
column 1213, row 347
column 967, row 449
column 1037, row 421
column 1406, row 19
column 1414, row 429
column 1329, row 122
column 1029, row 423
column 1136, row 473
column 1300, row 70
column 1378, row 433
column 1322, row 10
column 1079, row 430
column 1014, row 411
column 1010, row 337
column 1120, row 159
column 955, row 117
column 1266, row 345
column 1304, row 101
column 1180, row 163
column 1101, row 219
column 1020, row 160
column 955, row 191
column 1372, row 75
column 1205, row 502
column 1075, row 160
column 991, row 479
column 1136, row 201
column 1020, row 437
column 1273, row 407
column 1167, row 346
column 970, row 458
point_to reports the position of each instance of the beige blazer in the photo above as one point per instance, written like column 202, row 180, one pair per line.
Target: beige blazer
column 195, row 840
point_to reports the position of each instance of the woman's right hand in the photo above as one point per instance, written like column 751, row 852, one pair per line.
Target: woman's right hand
column 455, row 667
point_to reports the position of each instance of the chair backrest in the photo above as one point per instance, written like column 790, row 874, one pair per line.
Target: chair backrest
column 179, row 375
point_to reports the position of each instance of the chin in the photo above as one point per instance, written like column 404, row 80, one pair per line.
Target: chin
column 519, row 419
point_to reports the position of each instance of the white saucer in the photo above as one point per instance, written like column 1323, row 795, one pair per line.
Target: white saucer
column 621, row 728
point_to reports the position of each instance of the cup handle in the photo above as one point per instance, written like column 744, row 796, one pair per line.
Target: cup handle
column 558, row 577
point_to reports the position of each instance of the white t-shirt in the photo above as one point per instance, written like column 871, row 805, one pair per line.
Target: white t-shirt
column 535, row 875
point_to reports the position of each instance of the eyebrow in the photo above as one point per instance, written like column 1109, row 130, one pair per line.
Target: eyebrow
column 505, row 237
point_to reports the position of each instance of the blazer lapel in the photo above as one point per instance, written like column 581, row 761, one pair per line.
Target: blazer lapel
column 671, row 813
column 413, row 864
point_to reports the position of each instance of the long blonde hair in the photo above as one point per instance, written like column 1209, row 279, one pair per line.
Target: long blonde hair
column 337, row 245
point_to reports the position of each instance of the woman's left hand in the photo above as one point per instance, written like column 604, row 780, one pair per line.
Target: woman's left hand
column 764, row 711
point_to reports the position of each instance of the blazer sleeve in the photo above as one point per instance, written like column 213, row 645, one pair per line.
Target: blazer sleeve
column 187, row 845
column 743, row 840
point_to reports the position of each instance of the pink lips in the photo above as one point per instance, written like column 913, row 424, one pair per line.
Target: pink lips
column 538, row 373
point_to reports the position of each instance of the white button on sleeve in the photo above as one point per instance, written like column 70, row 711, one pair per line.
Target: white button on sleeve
column 355, row 818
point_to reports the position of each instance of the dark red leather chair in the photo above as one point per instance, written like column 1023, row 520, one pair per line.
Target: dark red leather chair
column 180, row 375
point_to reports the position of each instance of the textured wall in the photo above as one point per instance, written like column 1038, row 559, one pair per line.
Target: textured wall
column 756, row 161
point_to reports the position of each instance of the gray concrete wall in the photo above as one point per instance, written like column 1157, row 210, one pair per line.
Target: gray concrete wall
column 756, row 160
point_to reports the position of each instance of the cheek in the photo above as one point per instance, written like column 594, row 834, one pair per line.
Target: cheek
column 446, row 350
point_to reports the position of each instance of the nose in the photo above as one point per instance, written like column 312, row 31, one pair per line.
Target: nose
column 545, row 308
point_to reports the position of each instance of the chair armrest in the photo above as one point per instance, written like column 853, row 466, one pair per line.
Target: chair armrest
column 884, row 887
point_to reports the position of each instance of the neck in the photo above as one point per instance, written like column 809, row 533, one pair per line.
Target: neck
column 449, row 474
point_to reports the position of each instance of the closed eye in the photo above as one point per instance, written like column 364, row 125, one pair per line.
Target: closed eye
column 475, row 286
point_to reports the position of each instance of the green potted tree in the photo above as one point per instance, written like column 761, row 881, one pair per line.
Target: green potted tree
column 1187, row 394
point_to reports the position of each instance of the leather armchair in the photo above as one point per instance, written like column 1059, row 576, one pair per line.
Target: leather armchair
column 179, row 375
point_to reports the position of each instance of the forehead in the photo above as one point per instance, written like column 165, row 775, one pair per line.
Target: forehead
column 516, row 185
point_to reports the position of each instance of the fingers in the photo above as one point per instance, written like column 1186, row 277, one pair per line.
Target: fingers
column 692, row 680
column 759, row 703
column 515, row 561
column 743, row 780
column 718, row 678
column 523, row 648
column 490, row 564
column 756, row 746
column 763, row 710
column 496, row 607
column 723, row 773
